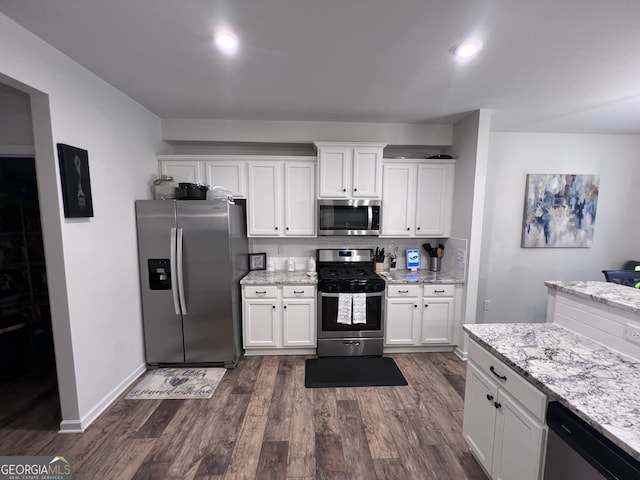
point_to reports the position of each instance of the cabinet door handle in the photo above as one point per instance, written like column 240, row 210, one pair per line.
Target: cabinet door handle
column 285, row 307
column 287, row 228
column 417, row 228
column 408, row 229
column 489, row 397
column 496, row 404
column 273, row 306
column 501, row 377
column 426, row 305
column 344, row 189
column 415, row 306
column 355, row 189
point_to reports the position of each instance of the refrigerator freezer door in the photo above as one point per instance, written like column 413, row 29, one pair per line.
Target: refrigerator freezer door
column 162, row 326
column 209, row 334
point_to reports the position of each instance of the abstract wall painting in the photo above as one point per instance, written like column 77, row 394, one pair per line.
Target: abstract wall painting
column 560, row 210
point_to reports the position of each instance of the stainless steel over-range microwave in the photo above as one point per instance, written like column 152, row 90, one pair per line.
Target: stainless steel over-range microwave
column 349, row 217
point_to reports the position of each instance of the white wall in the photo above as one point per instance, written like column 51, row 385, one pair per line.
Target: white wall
column 511, row 277
column 91, row 263
column 470, row 148
column 15, row 120
column 201, row 130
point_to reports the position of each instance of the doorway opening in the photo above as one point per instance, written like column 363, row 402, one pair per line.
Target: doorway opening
column 27, row 358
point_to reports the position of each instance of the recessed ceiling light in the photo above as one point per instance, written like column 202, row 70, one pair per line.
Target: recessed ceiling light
column 467, row 49
column 227, row 42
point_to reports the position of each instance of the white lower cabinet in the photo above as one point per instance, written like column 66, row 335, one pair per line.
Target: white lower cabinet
column 503, row 419
column 278, row 317
column 260, row 326
column 420, row 316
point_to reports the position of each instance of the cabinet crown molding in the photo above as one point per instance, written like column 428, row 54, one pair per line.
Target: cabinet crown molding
column 350, row 144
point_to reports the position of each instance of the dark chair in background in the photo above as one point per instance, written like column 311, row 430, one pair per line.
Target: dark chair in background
column 630, row 278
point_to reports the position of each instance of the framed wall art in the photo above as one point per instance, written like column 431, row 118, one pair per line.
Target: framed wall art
column 76, row 183
column 560, row 210
column 257, row 261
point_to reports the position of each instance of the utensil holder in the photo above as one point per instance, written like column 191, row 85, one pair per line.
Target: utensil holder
column 434, row 264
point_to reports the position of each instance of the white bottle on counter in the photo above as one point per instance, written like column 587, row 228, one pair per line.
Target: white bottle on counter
column 311, row 264
column 271, row 265
column 291, row 266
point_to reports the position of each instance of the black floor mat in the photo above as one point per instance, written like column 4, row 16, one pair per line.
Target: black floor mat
column 352, row 372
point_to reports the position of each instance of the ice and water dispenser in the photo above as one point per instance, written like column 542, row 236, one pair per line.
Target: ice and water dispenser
column 159, row 273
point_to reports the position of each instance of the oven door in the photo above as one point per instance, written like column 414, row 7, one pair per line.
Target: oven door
column 328, row 326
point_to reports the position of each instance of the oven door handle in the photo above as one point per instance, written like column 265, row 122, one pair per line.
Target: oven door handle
column 367, row 294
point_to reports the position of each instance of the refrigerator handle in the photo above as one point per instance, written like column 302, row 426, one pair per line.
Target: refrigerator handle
column 179, row 254
column 174, row 275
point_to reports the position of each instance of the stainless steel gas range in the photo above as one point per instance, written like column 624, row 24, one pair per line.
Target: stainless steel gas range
column 350, row 303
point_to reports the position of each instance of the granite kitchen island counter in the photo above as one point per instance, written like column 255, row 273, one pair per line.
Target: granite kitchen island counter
column 278, row 277
column 611, row 294
column 598, row 384
column 421, row 276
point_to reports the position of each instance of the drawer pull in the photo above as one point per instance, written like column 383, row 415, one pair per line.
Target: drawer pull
column 261, row 293
column 403, row 291
column 501, row 377
column 438, row 291
column 496, row 404
column 298, row 293
column 489, row 397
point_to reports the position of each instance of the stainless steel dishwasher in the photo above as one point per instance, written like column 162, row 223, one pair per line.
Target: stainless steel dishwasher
column 576, row 451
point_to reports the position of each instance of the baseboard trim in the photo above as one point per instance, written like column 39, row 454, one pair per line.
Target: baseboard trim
column 79, row 426
column 279, row 351
column 460, row 354
column 422, row 349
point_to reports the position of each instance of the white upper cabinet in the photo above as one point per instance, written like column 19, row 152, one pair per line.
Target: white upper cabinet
column 183, row 170
column 264, row 205
column 211, row 170
column 417, row 199
column 434, row 204
column 299, row 200
column 227, row 174
column 398, row 194
column 281, row 200
column 349, row 170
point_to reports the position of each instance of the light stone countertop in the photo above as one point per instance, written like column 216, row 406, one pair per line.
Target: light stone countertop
column 279, row 277
column 421, row 276
column 299, row 277
column 607, row 293
column 598, row 384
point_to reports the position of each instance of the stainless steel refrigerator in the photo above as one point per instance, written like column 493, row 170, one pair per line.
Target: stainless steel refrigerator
column 192, row 255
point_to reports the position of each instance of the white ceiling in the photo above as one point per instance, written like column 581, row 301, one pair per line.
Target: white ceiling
column 546, row 65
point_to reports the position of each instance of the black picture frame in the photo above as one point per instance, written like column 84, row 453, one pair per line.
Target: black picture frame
column 257, row 261
column 75, row 181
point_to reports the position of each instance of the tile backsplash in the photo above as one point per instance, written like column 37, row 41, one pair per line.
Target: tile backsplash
column 280, row 249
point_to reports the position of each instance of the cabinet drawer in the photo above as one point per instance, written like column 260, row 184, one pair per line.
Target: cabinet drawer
column 403, row 291
column 525, row 393
column 260, row 291
column 439, row 290
column 298, row 291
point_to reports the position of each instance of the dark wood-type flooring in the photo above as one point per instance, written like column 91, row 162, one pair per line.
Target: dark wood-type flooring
column 262, row 423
